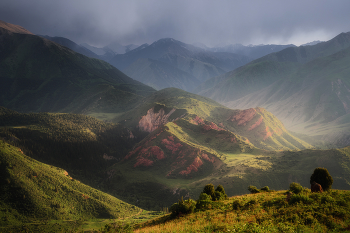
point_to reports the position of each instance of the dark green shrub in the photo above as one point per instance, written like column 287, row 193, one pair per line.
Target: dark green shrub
column 204, row 205
column 183, row 207
column 236, row 205
column 220, row 189
column 209, row 189
column 265, row 189
column 219, row 196
column 250, row 203
column 322, row 176
column 204, row 197
column 253, row 189
column 295, row 188
column 204, row 202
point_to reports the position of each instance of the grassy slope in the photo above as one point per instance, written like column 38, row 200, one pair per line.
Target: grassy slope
column 74, row 142
column 264, row 212
column 260, row 127
column 31, row 191
column 313, row 101
column 40, row 75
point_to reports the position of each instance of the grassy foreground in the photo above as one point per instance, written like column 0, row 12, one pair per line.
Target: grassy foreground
column 36, row 197
column 264, row 212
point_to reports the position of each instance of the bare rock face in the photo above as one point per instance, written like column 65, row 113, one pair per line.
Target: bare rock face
column 151, row 121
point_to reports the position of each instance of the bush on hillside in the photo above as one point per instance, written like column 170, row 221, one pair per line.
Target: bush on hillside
column 295, row 188
column 183, row 207
column 265, row 189
column 252, row 189
column 219, row 193
column 322, row 177
column 209, row 190
column 215, row 194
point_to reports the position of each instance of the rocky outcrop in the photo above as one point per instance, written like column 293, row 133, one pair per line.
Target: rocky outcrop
column 206, row 125
column 243, row 116
column 315, row 187
column 151, row 121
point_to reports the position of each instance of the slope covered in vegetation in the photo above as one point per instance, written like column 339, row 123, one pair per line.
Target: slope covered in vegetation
column 259, row 126
column 34, row 191
column 263, row 212
column 82, row 145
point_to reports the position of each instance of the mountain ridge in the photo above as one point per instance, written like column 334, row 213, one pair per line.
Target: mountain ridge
column 37, row 74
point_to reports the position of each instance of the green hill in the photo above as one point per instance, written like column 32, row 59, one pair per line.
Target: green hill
column 39, row 75
column 32, row 191
column 263, row 212
column 82, row 145
column 260, row 127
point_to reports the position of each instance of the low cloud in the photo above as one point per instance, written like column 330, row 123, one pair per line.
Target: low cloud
column 210, row 22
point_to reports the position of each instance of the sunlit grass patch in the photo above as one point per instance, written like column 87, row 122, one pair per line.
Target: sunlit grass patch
column 264, row 212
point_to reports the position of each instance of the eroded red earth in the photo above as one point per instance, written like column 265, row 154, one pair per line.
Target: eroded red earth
column 185, row 160
column 207, row 126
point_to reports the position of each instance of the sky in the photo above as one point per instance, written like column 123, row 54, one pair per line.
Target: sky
column 213, row 23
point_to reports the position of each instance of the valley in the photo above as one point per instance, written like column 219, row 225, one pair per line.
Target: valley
column 83, row 146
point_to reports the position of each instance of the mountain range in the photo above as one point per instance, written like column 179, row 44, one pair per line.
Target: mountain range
column 306, row 87
column 160, row 145
column 171, row 63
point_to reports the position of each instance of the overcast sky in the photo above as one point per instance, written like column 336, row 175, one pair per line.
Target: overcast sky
column 210, row 22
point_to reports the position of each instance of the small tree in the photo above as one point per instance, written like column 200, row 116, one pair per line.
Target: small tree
column 204, row 202
column 209, row 189
column 183, row 207
column 322, row 176
column 219, row 193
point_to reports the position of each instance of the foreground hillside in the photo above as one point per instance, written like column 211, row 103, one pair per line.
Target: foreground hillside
column 33, row 191
column 263, row 212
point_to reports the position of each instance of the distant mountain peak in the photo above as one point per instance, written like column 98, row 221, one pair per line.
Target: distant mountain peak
column 166, row 41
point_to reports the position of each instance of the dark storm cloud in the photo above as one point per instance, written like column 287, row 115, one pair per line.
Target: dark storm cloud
column 209, row 22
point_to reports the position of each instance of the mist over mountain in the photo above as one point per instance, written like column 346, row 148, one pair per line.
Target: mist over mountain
column 251, row 51
column 194, row 61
